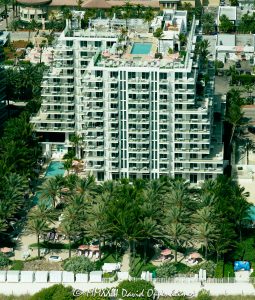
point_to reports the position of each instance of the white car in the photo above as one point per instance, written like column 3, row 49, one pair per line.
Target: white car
column 55, row 258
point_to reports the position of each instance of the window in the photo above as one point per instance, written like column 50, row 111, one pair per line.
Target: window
column 178, row 106
column 178, row 75
column 98, row 43
column 162, row 76
column 193, row 178
column 145, row 75
column 69, row 43
column 83, row 43
column 100, row 176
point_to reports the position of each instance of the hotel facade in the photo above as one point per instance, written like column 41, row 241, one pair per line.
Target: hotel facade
column 138, row 116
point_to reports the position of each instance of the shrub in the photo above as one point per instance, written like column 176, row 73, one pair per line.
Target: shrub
column 219, row 64
column 17, row 265
column 136, row 290
column 166, row 270
column 79, row 264
column 9, row 62
column 4, row 261
column 55, row 292
column 229, row 270
column 203, row 295
column 182, row 268
column 209, row 266
column 219, row 269
column 252, row 274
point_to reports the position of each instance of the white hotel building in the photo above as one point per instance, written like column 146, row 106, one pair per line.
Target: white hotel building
column 139, row 116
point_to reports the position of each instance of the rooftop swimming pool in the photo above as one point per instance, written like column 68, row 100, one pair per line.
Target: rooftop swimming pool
column 55, row 168
column 141, row 48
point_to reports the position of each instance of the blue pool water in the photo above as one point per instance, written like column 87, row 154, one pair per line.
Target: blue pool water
column 55, row 168
column 141, row 48
column 252, row 213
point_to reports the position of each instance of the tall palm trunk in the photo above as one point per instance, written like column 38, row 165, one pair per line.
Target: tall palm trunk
column 232, row 134
column 175, row 253
column 100, row 248
column 69, row 247
column 6, row 11
column 29, row 33
column 206, row 250
column 38, row 246
column 145, row 251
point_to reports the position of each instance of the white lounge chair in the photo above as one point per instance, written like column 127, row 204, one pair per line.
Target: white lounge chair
column 86, row 254
column 90, row 254
column 97, row 255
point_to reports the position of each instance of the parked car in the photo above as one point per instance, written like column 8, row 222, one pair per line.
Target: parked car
column 55, row 258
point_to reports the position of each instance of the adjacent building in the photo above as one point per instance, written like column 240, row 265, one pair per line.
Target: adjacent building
column 138, row 116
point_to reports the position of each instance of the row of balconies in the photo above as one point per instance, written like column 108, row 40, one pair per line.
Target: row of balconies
column 192, row 140
column 199, row 170
column 53, row 128
column 194, row 121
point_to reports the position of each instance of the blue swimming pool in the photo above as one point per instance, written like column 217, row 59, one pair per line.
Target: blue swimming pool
column 141, row 48
column 55, row 168
column 252, row 213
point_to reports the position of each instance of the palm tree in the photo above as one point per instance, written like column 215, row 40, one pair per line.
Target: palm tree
column 203, row 49
column 139, row 10
column 31, row 27
column 148, row 16
column 127, row 8
column 176, row 221
column 183, row 39
column 158, row 33
column 37, row 226
column 249, row 146
column 45, row 212
column 205, row 227
column 234, row 116
column 151, row 230
column 76, row 141
column 86, row 186
column 205, row 234
column 68, row 165
column 178, row 234
column 42, row 46
column 50, row 190
column 68, row 228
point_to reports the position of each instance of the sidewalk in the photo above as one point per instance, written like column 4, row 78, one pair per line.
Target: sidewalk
column 190, row 289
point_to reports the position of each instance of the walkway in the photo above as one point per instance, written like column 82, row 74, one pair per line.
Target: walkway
column 125, row 263
column 191, row 289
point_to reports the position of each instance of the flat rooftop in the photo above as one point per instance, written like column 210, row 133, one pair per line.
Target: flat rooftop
column 229, row 11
